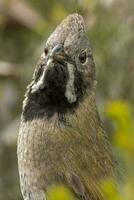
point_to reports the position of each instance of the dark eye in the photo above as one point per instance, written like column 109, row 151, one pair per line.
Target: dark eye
column 46, row 51
column 83, row 57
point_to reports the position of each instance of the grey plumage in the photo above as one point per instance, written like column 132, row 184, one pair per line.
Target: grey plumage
column 61, row 138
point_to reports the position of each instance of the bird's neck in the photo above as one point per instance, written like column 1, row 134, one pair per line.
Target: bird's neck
column 35, row 108
column 86, row 116
column 83, row 117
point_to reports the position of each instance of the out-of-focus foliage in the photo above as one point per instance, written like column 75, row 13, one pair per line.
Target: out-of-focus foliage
column 123, row 137
column 24, row 28
column 59, row 192
column 126, row 191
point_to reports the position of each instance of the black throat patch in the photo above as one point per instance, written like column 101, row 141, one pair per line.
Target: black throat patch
column 51, row 99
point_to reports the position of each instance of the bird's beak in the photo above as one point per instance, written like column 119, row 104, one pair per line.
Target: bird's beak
column 58, row 53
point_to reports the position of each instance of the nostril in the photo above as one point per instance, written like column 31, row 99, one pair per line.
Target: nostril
column 46, row 51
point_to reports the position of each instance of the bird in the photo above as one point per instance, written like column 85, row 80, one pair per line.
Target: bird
column 61, row 138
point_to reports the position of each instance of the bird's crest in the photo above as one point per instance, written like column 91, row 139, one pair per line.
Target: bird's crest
column 71, row 28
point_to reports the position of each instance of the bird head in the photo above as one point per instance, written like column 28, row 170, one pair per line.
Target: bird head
column 65, row 73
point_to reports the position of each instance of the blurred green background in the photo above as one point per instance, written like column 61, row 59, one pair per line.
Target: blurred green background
column 24, row 28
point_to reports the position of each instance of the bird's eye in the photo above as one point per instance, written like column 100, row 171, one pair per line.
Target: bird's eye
column 83, row 57
column 46, row 51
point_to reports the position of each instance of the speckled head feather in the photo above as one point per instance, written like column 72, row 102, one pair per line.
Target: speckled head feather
column 68, row 32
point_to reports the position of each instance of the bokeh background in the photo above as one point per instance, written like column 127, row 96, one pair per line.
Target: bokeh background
column 24, row 28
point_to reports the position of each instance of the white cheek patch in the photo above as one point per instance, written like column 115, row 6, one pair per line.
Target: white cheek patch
column 70, row 89
column 41, row 82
